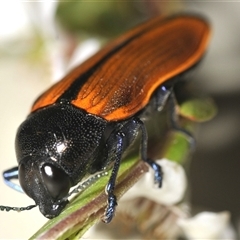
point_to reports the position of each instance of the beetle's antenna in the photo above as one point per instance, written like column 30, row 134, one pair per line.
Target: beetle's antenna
column 17, row 209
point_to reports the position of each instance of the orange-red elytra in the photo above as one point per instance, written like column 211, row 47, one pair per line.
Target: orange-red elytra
column 85, row 122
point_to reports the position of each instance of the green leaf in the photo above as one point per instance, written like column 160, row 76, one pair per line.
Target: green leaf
column 177, row 147
column 98, row 18
column 198, row 110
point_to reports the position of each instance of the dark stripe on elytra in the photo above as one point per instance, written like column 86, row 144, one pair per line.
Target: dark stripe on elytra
column 72, row 91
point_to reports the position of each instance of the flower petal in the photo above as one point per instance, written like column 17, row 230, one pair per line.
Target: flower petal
column 208, row 225
column 172, row 191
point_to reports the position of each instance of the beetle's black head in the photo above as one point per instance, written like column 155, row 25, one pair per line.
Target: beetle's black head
column 45, row 183
column 56, row 147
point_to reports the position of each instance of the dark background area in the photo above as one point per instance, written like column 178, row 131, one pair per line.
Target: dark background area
column 215, row 167
column 214, row 172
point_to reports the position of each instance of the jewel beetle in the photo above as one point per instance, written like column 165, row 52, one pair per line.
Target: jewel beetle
column 87, row 121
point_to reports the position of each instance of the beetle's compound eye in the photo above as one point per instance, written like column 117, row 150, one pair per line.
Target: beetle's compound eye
column 56, row 181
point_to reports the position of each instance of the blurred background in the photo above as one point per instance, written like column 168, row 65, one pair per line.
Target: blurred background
column 39, row 42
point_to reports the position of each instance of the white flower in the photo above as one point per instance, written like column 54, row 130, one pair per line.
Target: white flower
column 173, row 188
column 208, row 225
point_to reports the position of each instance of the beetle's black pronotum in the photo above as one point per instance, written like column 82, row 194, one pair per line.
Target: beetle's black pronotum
column 87, row 121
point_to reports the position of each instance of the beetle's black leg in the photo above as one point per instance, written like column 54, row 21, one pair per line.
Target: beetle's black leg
column 162, row 96
column 10, row 174
column 174, row 119
column 165, row 95
column 112, row 200
column 158, row 175
column 117, row 144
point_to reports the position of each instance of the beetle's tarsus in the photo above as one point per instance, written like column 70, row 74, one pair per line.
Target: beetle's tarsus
column 110, row 209
column 158, row 175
